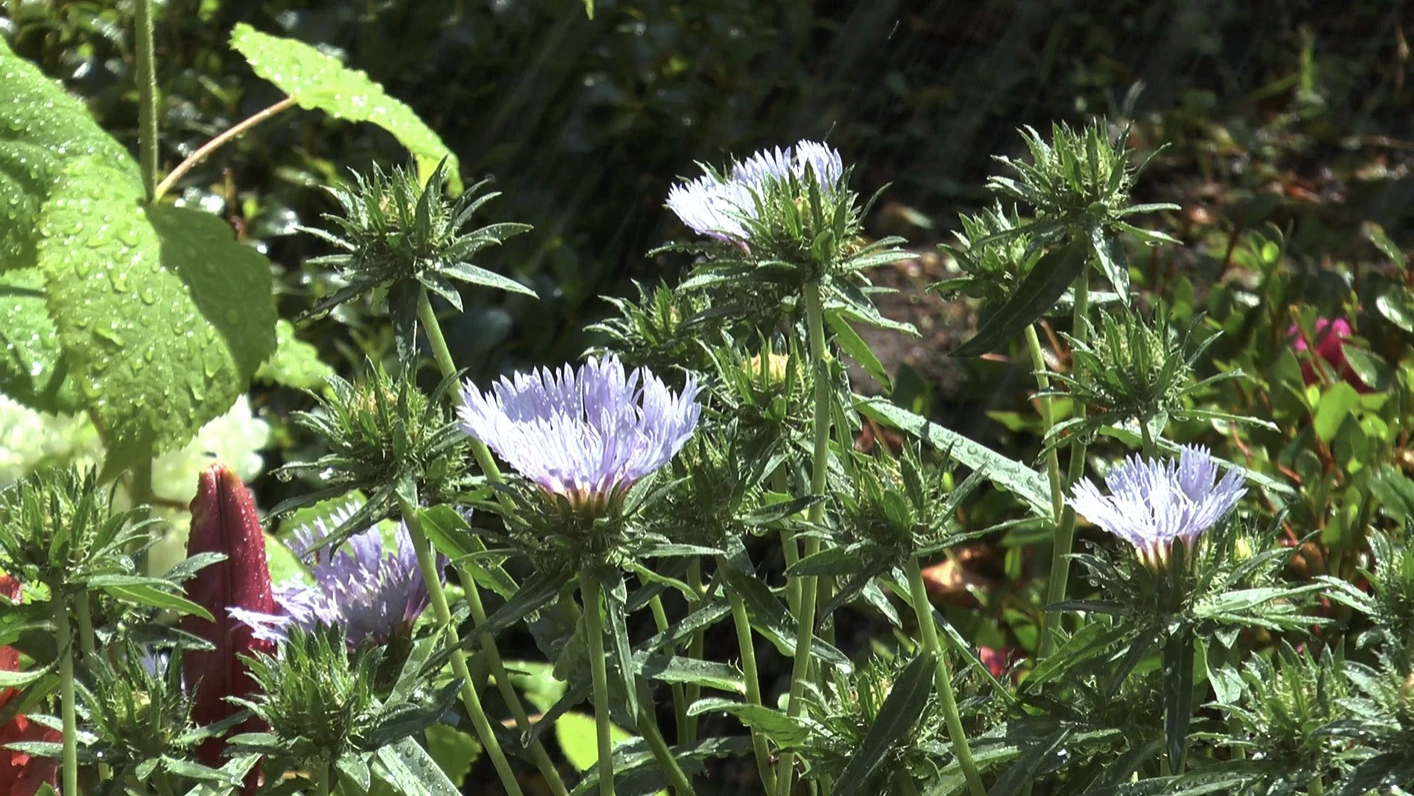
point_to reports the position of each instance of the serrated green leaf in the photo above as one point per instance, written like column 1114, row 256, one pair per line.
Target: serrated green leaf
column 43, row 128
column 1037, row 293
column 786, row 732
column 1007, row 473
column 901, row 709
column 295, row 363
column 32, row 368
column 320, row 82
column 163, row 315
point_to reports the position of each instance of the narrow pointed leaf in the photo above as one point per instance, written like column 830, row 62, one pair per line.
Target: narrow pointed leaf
column 901, row 709
column 1036, row 295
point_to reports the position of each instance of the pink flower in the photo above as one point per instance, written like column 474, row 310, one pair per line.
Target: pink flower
column 999, row 659
column 1329, row 337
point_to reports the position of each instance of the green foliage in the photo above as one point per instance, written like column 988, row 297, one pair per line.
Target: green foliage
column 319, row 82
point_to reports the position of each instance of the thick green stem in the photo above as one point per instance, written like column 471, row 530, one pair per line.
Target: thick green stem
column 147, row 98
column 923, row 611
column 1065, row 529
column 164, row 784
column 680, row 717
column 64, row 638
column 427, row 562
column 599, row 675
column 746, row 644
column 1317, row 787
column 819, row 468
column 648, row 728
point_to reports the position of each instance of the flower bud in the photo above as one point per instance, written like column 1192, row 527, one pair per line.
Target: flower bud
column 224, row 521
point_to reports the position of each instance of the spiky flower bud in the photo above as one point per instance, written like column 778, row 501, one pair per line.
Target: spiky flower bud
column 383, row 434
column 399, row 234
column 1133, row 369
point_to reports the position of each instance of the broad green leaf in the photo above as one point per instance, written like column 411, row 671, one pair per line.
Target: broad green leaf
column 42, row 128
column 576, row 734
column 32, row 368
column 1396, row 303
column 1037, row 294
column 454, row 751
column 1336, row 404
column 295, row 362
column 1007, row 473
column 901, row 709
column 319, row 82
column 1384, row 244
column 1394, row 490
column 448, row 531
column 1109, row 253
column 163, row 315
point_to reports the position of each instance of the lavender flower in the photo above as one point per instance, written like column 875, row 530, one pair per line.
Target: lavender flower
column 1152, row 503
column 719, row 207
column 586, row 436
column 372, row 595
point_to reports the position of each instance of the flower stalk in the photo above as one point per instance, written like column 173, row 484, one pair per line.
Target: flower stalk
column 447, row 367
column 1065, row 527
column 64, row 638
column 747, row 647
column 599, row 675
column 470, row 698
column 819, row 468
column 923, row 611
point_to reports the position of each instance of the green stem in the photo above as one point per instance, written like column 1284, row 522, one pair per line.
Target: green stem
column 147, row 98
column 427, row 562
column 321, row 779
column 599, row 674
column 680, row 717
column 745, row 642
column 492, row 654
column 86, row 636
column 696, row 645
column 1065, row 530
column 164, row 785
column 1048, row 421
column 1149, row 448
column 66, row 692
column 1317, row 787
column 648, row 728
column 942, row 678
column 448, row 368
column 819, row 468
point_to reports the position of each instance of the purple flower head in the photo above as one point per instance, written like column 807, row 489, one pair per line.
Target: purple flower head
column 585, row 435
column 371, row 593
column 1152, row 503
column 718, row 207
